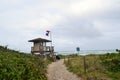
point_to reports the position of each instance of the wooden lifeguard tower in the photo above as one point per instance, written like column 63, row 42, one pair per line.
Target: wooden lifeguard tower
column 40, row 47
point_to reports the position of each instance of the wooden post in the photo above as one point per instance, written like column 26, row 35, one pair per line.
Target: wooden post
column 68, row 59
column 64, row 58
column 84, row 62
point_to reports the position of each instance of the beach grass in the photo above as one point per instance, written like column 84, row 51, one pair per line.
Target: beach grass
column 94, row 68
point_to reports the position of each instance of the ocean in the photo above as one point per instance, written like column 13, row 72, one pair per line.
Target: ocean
column 86, row 52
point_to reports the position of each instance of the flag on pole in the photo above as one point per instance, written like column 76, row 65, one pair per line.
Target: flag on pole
column 47, row 33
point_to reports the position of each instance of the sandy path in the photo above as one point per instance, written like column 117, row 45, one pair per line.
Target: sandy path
column 58, row 71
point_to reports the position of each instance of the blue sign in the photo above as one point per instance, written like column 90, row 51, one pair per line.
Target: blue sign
column 78, row 49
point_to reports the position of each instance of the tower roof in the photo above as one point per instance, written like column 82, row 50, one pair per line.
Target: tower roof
column 39, row 40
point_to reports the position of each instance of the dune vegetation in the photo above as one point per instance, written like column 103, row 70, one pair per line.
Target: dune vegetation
column 15, row 65
column 96, row 67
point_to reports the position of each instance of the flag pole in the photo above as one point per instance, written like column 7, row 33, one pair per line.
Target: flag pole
column 51, row 43
column 51, row 38
column 49, row 33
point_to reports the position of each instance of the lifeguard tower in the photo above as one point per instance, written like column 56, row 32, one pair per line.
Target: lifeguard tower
column 40, row 47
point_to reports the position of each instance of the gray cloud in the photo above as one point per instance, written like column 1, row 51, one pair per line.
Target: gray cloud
column 77, row 28
column 90, row 24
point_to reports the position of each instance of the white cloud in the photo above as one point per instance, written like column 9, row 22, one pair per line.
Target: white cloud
column 9, row 1
column 84, row 7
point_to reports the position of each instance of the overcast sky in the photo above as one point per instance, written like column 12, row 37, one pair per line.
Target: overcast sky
column 89, row 24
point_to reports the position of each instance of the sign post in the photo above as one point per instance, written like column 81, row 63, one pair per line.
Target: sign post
column 84, row 60
column 78, row 49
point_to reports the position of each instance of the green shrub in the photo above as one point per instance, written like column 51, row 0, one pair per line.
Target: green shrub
column 15, row 65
